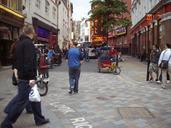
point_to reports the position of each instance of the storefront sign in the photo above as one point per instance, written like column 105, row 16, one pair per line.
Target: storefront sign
column 11, row 11
column 41, row 32
column 98, row 38
column 149, row 17
column 120, row 31
column 10, row 18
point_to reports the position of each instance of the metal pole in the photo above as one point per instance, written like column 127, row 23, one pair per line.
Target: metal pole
column 58, row 3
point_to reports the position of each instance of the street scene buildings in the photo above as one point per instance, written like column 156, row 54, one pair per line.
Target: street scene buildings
column 150, row 25
column 110, row 68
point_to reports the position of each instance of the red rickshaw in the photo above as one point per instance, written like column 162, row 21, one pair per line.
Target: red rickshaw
column 108, row 61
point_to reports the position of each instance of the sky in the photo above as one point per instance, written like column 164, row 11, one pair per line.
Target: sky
column 81, row 9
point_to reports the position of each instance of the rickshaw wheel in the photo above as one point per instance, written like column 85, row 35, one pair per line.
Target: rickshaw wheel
column 117, row 71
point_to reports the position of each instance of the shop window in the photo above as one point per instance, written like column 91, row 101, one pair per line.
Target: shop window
column 86, row 38
column 5, row 33
column 13, row 4
column 38, row 3
column 47, row 7
column 4, row 2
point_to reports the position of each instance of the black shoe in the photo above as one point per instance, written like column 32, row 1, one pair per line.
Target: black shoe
column 29, row 112
column 70, row 92
column 45, row 121
column 75, row 92
column 5, row 126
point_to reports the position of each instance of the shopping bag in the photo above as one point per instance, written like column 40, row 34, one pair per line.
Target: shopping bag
column 164, row 64
column 34, row 95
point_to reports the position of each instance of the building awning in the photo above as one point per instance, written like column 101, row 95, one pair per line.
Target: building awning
column 38, row 23
column 9, row 16
column 162, row 7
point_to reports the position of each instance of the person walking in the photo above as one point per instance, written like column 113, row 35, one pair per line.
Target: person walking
column 75, row 59
column 154, row 58
column 26, row 73
column 163, row 64
column 50, row 57
column 86, row 54
column 15, row 76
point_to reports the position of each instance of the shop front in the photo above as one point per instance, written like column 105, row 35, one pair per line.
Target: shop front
column 46, row 34
column 153, row 29
column 11, row 23
column 119, row 38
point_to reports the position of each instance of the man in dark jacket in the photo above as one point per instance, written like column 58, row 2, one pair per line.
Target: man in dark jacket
column 26, row 70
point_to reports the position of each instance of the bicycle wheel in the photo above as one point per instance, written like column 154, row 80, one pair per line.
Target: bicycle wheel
column 117, row 71
column 42, row 87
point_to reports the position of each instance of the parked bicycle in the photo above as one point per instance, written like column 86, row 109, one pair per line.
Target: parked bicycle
column 42, row 84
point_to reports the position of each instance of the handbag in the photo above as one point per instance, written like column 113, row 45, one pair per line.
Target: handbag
column 34, row 95
column 164, row 64
column 14, row 79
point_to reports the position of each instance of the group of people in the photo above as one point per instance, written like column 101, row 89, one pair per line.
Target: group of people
column 159, row 65
column 25, row 71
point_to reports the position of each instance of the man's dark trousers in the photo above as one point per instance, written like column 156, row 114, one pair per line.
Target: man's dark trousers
column 21, row 101
column 12, row 103
column 74, row 75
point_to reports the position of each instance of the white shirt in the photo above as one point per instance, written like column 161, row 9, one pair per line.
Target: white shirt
column 165, row 55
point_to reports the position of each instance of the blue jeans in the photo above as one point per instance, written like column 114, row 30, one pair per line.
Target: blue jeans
column 18, row 103
column 74, row 75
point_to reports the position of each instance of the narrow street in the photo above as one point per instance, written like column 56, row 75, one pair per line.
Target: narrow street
column 103, row 101
column 108, row 101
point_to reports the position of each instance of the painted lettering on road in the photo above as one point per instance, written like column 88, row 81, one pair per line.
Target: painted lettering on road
column 81, row 123
column 62, row 108
column 78, row 122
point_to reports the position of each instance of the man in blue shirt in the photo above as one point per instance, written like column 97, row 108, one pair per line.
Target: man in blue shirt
column 50, row 55
column 75, row 59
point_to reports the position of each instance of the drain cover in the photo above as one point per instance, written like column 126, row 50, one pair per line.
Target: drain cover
column 135, row 112
column 102, row 98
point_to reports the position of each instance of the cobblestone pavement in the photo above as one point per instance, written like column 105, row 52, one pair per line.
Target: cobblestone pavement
column 104, row 100
column 7, row 91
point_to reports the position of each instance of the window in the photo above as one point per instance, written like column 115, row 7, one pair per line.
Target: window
column 54, row 13
column 47, row 6
column 13, row 4
column 86, row 38
column 38, row 3
column 4, row 2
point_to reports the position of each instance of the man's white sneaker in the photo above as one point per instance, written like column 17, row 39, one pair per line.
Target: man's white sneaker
column 159, row 82
column 168, row 82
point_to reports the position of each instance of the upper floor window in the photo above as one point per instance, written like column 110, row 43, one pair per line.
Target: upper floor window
column 47, row 6
column 54, row 12
column 38, row 3
column 4, row 2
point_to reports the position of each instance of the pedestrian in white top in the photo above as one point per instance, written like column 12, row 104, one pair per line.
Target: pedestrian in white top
column 163, row 62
